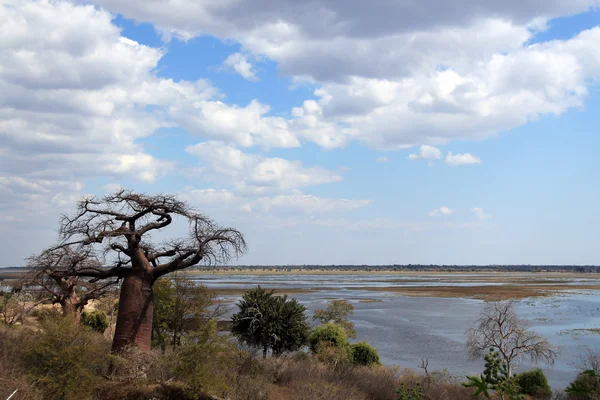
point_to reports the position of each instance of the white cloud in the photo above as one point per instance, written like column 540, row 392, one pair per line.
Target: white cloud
column 382, row 159
column 395, row 75
column 240, row 64
column 332, row 18
column 480, row 214
column 112, row 187
column 426, row 153
column 306, row 204
column 438, row 212
column 246, row 126
column 211, row 197
column 461, row 159
column 255, row 173
column 73, row 94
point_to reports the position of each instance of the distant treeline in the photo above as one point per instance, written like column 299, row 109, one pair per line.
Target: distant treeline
column 418, row 267
column 392, row 267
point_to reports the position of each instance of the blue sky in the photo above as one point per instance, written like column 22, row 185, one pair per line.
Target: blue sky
column 327, row 133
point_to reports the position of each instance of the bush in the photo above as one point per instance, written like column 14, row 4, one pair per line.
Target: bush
column 585, row 386
column 206, row 361
column 96, row 320
column 534, row 383
column 65, row 359
column 364, row 354
column 330, row 333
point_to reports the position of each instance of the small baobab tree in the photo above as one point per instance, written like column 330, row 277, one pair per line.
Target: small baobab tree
column 50, row 271
column 499, row 328
column 119, row 226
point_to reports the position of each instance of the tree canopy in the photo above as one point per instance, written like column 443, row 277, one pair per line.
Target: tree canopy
column 270, row 322
column 337, row 311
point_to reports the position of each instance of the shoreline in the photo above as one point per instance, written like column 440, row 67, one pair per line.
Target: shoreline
column 565, row 274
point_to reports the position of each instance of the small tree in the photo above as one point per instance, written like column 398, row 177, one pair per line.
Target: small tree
column 50, row 271
column 499, row 328
column 180, row 305
column 338, row 312
column 15, row 305
column 270, row 322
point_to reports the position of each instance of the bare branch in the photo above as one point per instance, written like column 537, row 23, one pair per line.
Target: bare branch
column 500, row 328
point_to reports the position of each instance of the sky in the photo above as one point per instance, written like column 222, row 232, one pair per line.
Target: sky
column 327, row 131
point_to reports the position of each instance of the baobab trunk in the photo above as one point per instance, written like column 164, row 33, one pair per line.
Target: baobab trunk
column 134, row 320
column 69, row 307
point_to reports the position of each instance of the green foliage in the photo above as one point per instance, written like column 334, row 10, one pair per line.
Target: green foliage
column 338, row 312
column 364, row 354
column 411, row 393
column 96, row 320
column 330, row 333
column 270, row 322
column 65, row 359
column 180, row 304
column 480, row 385
column 204, row 358
column 509, row 389
column 495, row 371
column 495, row 378
column 586, row 385
column 534, row 383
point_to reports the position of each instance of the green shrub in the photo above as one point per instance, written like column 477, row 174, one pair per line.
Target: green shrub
column 330, row 333
column 96, row 320
column 64, row 359
column 534, row 383
column 586, row 385
column 364, row 354
column 411, row 393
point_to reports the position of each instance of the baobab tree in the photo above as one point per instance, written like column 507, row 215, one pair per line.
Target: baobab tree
column 50, row 271
column 499, row 328
column 120, row 225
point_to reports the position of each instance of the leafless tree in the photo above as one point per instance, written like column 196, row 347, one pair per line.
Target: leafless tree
column 119, row 226
column 50, row 271
column 500, row 328
column 16, row 304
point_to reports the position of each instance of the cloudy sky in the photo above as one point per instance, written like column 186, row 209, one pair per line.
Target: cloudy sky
column 328, row 131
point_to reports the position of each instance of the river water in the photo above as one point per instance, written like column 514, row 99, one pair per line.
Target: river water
column 406, row 329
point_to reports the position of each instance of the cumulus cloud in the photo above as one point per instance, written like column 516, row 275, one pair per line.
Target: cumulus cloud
column 240, row 64
column 461, row 159
column 246, row 126
column 72, row 103
column 255, row 173
column 438, row 212
column 426, row 153
column 323, row 18
column 382, row 159
column 395, row 75
column 480, row 214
